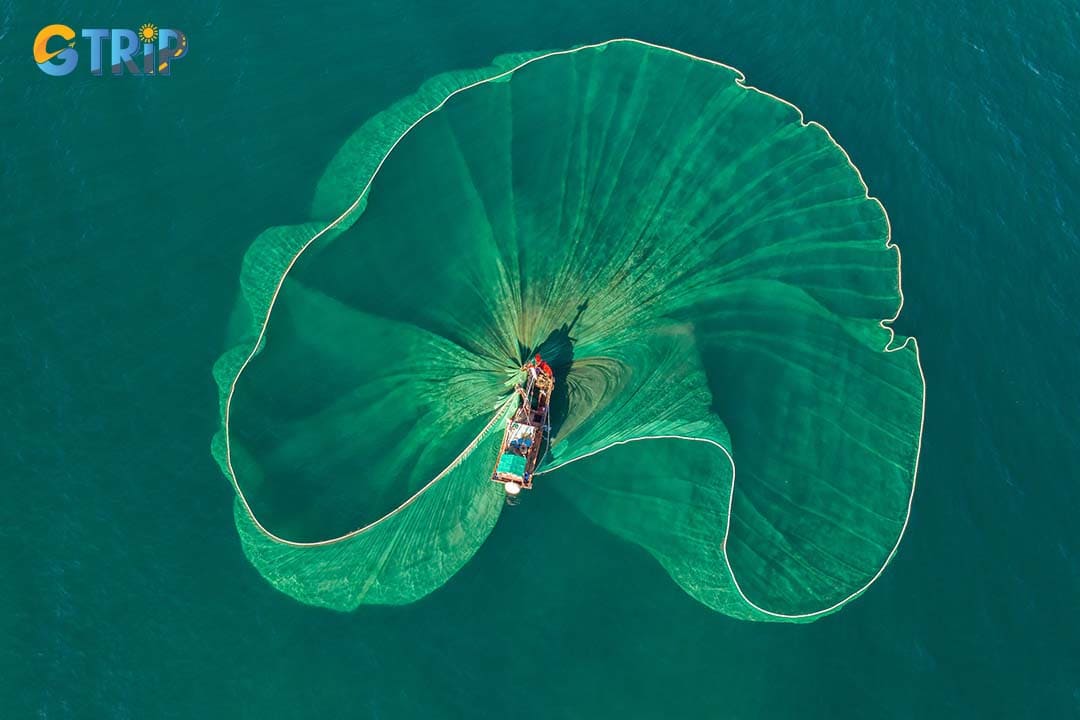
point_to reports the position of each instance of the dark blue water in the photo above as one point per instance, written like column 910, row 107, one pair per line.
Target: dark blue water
column 128, row 203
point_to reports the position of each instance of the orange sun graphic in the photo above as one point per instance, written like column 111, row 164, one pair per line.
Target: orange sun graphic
column 148, row 32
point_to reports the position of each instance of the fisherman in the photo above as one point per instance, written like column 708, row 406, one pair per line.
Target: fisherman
column 544, row 367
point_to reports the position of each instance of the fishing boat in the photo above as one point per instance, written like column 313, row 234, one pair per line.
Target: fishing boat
column 526, row 430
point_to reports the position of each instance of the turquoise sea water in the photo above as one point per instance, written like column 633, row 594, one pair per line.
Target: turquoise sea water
column 128, row 203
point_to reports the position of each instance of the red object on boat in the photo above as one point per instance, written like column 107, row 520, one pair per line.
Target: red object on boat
column 544, row 367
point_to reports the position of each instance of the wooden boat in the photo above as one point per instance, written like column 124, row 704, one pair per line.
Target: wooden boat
column 526, row 430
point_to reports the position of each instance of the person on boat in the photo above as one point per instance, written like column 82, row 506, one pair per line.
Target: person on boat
column 538, row 362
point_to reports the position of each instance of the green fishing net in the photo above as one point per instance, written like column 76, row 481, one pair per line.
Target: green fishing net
column 705, row 273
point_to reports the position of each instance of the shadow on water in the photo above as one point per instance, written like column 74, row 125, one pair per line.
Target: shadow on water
column 558, row 350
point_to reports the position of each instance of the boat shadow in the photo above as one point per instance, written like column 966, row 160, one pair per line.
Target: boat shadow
column 558, row 351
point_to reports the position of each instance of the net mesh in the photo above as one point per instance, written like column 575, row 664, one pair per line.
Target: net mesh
column 706, row 275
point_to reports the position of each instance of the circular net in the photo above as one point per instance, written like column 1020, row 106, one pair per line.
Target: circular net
column 705, row 272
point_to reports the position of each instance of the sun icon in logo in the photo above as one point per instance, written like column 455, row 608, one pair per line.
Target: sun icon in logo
column 148, row 32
